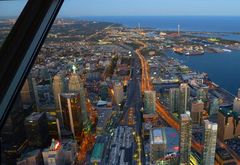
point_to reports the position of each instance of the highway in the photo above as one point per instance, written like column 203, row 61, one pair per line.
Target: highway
column 134, row 102
column 161, row 110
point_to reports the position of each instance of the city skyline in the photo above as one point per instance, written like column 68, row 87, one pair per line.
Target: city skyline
column 73, row 8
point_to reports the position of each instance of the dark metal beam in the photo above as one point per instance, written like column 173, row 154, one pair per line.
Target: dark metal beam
column 20, row 49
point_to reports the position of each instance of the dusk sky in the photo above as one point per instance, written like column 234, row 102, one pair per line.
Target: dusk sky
column 134, row 7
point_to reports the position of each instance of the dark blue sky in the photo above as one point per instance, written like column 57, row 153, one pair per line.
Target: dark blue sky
column 134, row 7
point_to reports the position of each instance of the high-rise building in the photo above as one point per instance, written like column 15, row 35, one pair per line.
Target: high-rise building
column 209, row 142
column 236, row 105
column 58, row 87
column 70, row 107
column 84, row 113
column 53, row 127
column 158, row 145
column 185, row 138
column 118, row 93
column 197, row 111
column 228, row 124
column 184, row 98
column 74, row 83
column 36, row 127
column 43, row 94
column 13, row 134
column 214, row 106
column 26, row 93
column 174, row 99
column 149, row 101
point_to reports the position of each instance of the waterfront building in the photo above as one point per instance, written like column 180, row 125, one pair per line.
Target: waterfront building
column 197, row 111
column 214, row 106
column 174, row 99
column 36, row 127
column 118, row 93
column 70, row 107
column 228, row 124
column 185, row 138
column 149, row 102
column 184, row 98
column 236, row 105
column 209, row 142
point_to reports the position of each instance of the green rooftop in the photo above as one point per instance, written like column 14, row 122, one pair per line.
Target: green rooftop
column 97, row 152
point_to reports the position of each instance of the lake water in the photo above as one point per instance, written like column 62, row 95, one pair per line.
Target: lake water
column 222, row 68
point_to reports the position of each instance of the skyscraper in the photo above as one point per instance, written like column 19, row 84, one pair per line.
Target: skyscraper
column 36, row 127
column 27, row 94
column 174, row 99
column 185, row 138
column 71, row 113
column 74, row 81
column 149, row 101
column 76, row 85
column 158, row 145
column 236, row 105
column 210, row 140
column 196, row 111
column 85, row 117
column 118, row 93
column 228, row 124
column 58, row 87
column 184, row 98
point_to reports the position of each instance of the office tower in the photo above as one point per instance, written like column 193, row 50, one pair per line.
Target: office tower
column 58, row 87
column 70, row 107
column 118, row 93
column 26, row 93
column 210, row 140
column 149, row 101
column 74, row 81
column 84, row 113
column 197, row 111
column 158, row 145
column 228, row 124
column 53, row 127
column 185, row 138
column 236, row 105
column 174, row 99
column 36, row 127
column 13, row 134
column 103, row 92
column 43, row 94
column 184, row 98
column 76, row 85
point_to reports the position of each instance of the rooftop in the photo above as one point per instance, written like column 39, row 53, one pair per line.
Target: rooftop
column 97, row 152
